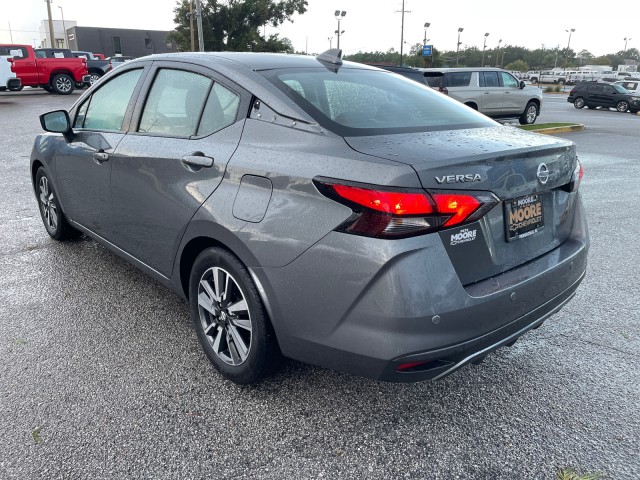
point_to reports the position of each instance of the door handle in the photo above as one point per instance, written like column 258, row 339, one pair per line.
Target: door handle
column 100, row 157
column 197, row 161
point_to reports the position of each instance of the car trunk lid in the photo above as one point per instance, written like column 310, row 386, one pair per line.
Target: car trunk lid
column 529, row 173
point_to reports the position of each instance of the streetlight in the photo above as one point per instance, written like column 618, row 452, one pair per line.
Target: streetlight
column 427, row 25
column 460, row 30
column 330, row 40
column 566, row 57
column 625, row 46
column 498, row 55
column 66, row 39
column 339, row 16
column 484, row 47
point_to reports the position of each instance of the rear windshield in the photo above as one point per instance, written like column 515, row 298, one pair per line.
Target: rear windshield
column 354, row 102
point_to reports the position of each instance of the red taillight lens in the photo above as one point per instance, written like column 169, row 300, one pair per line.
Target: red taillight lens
column 397, row 203
column 459, row 206
column 576, row 177
column 401, row 213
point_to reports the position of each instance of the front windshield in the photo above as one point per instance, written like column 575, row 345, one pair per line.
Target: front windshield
column 354, row 102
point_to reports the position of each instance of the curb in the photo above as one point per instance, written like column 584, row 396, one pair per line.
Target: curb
column 569, row 128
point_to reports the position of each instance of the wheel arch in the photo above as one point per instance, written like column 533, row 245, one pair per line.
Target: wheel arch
column 202, row 235
column 471, row 104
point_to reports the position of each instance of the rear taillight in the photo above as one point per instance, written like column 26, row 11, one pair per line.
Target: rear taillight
column 576, row 177
column 383, row 212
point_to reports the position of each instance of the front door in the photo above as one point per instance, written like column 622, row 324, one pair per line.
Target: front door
column 187, row 130
column 83, row 166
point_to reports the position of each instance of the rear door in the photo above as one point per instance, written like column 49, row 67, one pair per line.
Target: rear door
column 492, row 97
column 186, row 127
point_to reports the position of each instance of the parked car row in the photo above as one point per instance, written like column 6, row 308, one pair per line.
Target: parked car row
column 57, row 70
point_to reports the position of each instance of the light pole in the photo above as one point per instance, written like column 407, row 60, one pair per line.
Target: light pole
column 484, row 47
column 330, row 41
column 64, row 27
column 51, row 34
column 625, row 46
column 460, row 30
column 498, row 54
column 339, row 16
column 566, row 57
column 426, row 25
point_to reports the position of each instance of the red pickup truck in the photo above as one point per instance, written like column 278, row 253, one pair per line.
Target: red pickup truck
column 57, row 75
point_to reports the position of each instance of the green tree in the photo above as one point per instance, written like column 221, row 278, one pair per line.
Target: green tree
column 234, row 25
column 517, row 66
column 602, row 60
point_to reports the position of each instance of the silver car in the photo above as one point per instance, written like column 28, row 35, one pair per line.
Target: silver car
column 491, row 91
column 317, row 209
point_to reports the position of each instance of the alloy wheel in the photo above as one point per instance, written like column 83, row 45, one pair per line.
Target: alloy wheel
column 48, row 205
column 63, row 84
column 531, row 114
column 224, row 316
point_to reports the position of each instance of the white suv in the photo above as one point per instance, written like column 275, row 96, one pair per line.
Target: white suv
column 492, row 91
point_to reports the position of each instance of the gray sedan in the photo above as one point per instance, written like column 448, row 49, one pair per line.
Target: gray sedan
column 317, row 209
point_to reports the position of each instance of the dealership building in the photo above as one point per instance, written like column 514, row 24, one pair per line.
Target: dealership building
column 107, row 41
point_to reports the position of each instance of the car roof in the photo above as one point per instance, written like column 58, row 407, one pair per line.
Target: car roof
column 255, row 61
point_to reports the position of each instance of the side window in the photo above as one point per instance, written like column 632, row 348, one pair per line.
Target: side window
column 41, row 54
column 220, row 111
column 508, row 80
column 107, row 106
column 608, row 89
column 175, row 103
column 457, row 79
column 490, row 79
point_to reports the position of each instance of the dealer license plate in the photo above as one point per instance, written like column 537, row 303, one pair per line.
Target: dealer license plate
column 524, row 216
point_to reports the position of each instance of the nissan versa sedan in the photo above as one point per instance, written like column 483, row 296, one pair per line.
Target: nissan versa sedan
column 320, row 210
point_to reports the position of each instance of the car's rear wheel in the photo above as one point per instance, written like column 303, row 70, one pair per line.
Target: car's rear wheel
column 52, row 215
column 230, row 319
column 579, row 102
column 622, row 106
column 534, row 80
column 529, row 115
column 62, row 84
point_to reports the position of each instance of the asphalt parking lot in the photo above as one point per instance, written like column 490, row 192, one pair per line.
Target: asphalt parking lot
column 102, row 376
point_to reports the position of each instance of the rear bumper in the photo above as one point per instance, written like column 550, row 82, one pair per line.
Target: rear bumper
column 369, row 306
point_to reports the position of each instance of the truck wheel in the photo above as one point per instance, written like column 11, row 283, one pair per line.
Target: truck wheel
column 62, row 84
column 94, row 78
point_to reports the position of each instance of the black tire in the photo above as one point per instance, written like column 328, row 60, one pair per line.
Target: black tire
column 51, row 213
column 534, row 81
column 17, row 89
column 579, row 102
column 230, row 319
column 529, row 115
column 62, row 84
column 622, row 106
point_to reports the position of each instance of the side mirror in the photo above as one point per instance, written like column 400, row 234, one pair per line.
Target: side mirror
column 522, row 84
column 57, row 122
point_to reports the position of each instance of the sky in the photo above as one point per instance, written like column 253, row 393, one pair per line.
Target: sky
column 369, row 25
